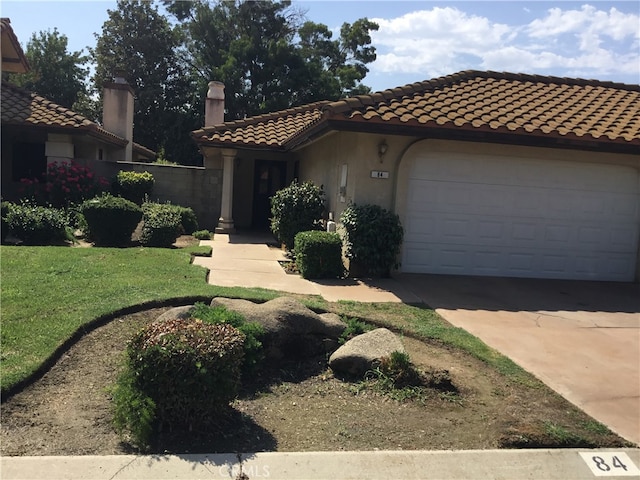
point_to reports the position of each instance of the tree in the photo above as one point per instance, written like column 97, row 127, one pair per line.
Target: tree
column 56, row 74
column 268, row 58
column 139, row 41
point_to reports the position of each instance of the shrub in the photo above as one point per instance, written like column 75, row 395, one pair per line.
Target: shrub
column 189, row 369
column 296, row 208
column 373, row 237
column 161, row 225
column 319, row 254
column 109, row 220
column 202, row 234
column 133, row 186
column 4, row 227
column 188, row 219
column 253, row 332
column 35, row 224
column 65, row 183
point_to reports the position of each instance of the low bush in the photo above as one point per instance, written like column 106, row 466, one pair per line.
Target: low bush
column 134, row 186
column 188, row 219
column 373, row 237
column 35, row 224
column 109, row 220
column 202, row 235
column 296, row 208
column 4, row 227
column 253, row 353
column 319, row 254
column 162, row 225
column 180, row 373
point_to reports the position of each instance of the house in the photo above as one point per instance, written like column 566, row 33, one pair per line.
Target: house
column 491, row 173
column 36, row 131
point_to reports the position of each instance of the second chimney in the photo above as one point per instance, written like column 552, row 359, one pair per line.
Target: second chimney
column 117, row 114
column 214, row 106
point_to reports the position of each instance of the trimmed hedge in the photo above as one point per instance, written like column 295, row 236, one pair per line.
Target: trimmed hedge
column 373, row 238
column 180, row 373
column 34, row 224
column 133, row 186
column 296, row 208
column 319, row 254
column 162, row 225
column 110, row 221
column 188, row 219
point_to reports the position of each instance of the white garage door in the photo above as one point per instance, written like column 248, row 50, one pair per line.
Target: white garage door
column 481, row 215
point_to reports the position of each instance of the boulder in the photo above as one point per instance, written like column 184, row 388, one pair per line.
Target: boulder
column 292, row 331
column 361, row 353
column 175, row 313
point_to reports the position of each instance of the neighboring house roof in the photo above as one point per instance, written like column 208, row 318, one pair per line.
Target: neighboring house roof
column 472, row 104
column 13, row 58
column 23, row 108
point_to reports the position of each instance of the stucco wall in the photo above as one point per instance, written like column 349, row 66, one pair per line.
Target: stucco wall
column 322, row 162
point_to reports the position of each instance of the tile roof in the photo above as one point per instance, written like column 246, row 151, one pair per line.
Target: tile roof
column 584, row 111
column 20, row 107
column 23, row 108
column 271, row 130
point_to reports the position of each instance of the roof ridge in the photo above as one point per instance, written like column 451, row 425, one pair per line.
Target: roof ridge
column 370, row 99
column 263, row 117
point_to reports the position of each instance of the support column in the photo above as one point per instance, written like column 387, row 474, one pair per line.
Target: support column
column 225, row 222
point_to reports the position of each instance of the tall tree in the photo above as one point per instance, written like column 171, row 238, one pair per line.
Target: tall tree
column 140, row 41
column 268, row 58
column 56, row 73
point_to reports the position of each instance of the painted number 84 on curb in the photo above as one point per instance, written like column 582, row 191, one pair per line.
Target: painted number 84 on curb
column 610, row 464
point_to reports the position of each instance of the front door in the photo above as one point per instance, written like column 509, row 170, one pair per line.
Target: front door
column 269, row 177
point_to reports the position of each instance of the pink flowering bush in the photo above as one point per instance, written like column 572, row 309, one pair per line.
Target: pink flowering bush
column 65, row 184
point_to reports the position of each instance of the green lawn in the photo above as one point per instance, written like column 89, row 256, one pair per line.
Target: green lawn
column 48, row 294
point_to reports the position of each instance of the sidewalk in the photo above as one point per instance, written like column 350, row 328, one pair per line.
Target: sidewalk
column 388, row 465
column 247, row 260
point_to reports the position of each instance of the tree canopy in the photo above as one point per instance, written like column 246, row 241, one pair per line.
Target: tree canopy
column 268, row 57
column 56, row 73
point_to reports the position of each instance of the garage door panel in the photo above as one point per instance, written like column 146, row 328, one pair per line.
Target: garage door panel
column 521, row 217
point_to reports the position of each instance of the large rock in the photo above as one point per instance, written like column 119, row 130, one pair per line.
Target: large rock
column 291, row 329
column 175, row 313
column 361, row 353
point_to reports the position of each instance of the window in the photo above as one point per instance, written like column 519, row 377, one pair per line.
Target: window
column 29, row 161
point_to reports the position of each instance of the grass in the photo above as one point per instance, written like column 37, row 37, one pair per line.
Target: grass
column 48, row 294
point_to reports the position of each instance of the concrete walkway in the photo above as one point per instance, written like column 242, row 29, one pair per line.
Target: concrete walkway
column 250, row 261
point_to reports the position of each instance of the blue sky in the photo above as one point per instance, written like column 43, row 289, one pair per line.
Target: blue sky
column 419, row 40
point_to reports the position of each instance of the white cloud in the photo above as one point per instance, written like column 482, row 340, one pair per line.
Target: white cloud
column 585, row 41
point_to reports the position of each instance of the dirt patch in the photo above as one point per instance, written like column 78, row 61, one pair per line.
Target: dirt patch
column 300, row 407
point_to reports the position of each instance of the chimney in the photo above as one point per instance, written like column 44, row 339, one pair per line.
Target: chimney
column 214, row 106
column 117, row 112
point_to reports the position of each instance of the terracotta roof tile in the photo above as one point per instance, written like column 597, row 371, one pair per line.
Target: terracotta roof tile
column 20, row 107
column 529, row 105
column 263, row 130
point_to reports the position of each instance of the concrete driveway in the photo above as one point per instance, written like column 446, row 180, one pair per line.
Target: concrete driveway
column 580, row 338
